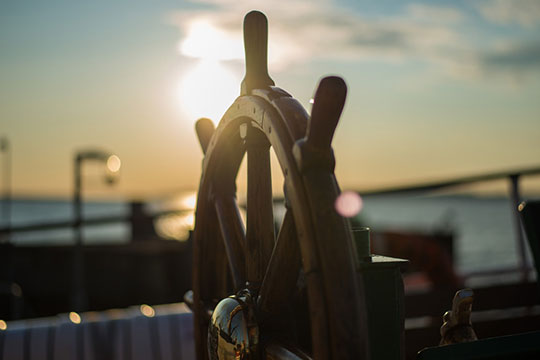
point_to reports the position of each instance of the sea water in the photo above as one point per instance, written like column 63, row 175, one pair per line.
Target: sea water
column 483, row 226
column 24, row 212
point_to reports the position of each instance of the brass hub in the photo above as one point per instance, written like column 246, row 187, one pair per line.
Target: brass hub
column 233, row 332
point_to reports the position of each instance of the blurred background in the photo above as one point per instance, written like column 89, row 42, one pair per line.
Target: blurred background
column 438, row 91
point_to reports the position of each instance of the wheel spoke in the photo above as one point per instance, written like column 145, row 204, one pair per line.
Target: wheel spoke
column 260, row 219
column 232, row 232
column 223, row 284
column 281, row 276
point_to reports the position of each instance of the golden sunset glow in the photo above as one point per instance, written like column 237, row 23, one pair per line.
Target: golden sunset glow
column 155, row 78
column 175, row 226
column 205, row 41
column 209, row 87
column 189, row 201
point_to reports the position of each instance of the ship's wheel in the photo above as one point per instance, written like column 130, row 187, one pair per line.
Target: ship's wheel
column 258, row 294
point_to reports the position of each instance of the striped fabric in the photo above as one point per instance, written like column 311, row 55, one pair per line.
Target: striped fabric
column 151, row 333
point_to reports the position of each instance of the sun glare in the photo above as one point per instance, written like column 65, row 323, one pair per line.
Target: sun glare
column 210, row 87
column 205, row 41
column 208, row 90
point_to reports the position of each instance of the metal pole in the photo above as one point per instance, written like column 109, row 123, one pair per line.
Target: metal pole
column 515, row 200
column 79, row 298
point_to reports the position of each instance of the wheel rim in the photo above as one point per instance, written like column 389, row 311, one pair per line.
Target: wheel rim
column 217, row 205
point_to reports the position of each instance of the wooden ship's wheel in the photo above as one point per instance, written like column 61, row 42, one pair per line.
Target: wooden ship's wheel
column 258, row 294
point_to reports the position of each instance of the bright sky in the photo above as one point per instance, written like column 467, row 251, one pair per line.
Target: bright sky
column 436, row 89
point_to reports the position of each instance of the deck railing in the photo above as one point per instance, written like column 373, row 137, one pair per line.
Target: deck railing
column 132, row 219
column 512, row 176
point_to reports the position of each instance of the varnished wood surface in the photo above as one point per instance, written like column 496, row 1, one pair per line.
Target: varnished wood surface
column 281, row 276
column 205, row 129
column 318, row 242
column 327, row 107
column 256, row 49
column 319, row 235
column 260, row 218
column 233, row 237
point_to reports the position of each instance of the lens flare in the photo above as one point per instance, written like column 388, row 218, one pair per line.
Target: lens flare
column 349, row 204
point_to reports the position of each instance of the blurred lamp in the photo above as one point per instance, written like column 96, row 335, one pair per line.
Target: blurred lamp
column 79, row 296
column 111, row 161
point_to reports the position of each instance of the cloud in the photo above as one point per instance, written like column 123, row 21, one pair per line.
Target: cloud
column 514, row 57
column 323, row 30
column 432, row 13
column 505, row 12
column 302, row 30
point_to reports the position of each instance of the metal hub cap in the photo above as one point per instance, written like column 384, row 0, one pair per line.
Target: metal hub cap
column 233, row 332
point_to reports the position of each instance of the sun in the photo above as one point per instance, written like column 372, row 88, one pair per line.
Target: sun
column 205, row 41
column 210, row 86
column 208, row 89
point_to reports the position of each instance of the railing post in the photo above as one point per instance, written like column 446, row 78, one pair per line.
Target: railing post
column 78, row 288
column 515, row 200
column 79, row 297
column 6, row 201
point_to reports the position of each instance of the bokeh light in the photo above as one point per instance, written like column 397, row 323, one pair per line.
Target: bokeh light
column 349, row 204
column 147, row 310
column 175, row 226
column 113, row 163
column 74, row 317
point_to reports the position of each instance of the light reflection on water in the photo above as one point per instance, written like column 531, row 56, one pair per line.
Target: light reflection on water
column 177, row 224
column 482, row 226
column 42, row 211
column 174, row 225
